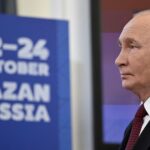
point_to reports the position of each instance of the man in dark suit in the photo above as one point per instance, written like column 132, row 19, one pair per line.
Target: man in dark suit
column 133, row 62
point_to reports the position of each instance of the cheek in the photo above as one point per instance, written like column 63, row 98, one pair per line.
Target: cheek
column 144, row 67
column 140, row 62
column 142, row 72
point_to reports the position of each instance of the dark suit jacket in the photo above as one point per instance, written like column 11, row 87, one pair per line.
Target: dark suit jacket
column 143, row 142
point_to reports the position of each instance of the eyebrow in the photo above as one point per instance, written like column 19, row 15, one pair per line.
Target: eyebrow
column 128, row 39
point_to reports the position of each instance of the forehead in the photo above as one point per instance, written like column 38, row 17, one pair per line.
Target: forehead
column 137, row 29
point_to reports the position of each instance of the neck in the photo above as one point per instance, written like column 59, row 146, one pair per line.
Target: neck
column 143, row 95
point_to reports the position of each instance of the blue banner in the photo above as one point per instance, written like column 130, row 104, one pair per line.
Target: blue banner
column 34, row 84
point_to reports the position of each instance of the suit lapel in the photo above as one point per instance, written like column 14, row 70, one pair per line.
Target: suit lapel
column 142, row 143
column 126, row 137
column 144, row 140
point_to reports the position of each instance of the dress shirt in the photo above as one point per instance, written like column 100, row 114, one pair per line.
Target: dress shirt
column 146, row 119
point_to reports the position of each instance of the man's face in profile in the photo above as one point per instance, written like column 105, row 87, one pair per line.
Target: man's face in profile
column 134, row 58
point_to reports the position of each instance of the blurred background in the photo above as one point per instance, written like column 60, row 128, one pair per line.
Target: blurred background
column 96, row 93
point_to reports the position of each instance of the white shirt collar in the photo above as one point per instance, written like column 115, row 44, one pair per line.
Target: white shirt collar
column 147, row 106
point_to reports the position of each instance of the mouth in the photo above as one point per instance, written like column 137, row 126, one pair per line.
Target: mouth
column 125, row 75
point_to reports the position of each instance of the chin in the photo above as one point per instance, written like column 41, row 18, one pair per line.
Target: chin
column 127, row 85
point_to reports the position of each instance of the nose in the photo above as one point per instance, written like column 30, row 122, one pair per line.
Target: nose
column 122, row 59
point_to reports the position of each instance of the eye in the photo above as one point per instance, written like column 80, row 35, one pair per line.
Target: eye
column 132, row 46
